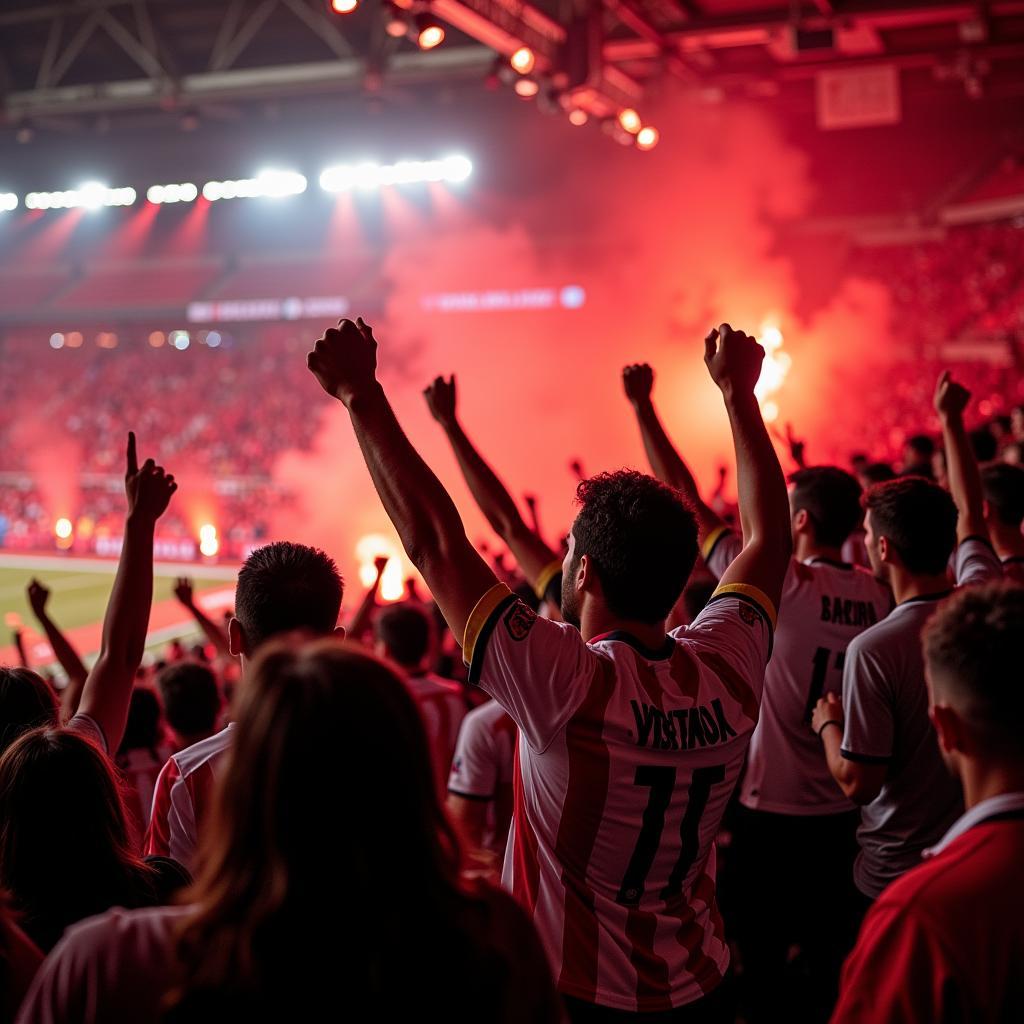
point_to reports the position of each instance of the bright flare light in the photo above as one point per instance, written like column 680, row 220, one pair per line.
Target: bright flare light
column 647, row 138
column 527, row 88
column 90, row 196
column 62, row 529
column 271, row 183
column 630, row 120
column 343, row 177
column 371, row 547
column 344, row 6
column 773, row 371
column 208, row 543
column 523, row 60
column 578, row 117
column 8, row 202
column 429, row 33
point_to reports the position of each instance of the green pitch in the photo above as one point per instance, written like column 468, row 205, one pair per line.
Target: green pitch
column 76, row 598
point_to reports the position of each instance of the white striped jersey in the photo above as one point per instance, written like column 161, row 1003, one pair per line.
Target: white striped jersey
column 824, row 606
column 483, row 765
column 442, row 707
column 183, row 796
column 626, row 760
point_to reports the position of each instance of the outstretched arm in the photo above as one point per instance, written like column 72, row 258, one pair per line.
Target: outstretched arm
column 734, row 361
column 535, row 558
column 344, row 361
column 218, row 637
column 951, row 400
column 666, row 462
column 364, row 613
column 108, row 688
column 65, row 654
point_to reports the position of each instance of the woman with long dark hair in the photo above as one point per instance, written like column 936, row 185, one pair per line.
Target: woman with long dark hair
column 65, row 852
column 329, row 885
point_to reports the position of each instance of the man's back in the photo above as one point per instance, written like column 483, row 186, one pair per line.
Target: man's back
column 945, row 943
column 627, row 759
column 443, row 708
column 886, row 708
column 824, row 606
column 182, row 798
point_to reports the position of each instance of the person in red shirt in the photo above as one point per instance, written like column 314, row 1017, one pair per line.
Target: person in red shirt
column 945, row 942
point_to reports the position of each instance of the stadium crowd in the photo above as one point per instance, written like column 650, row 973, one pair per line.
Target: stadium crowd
column 691, row 764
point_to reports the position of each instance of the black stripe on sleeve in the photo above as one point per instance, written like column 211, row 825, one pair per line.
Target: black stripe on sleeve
column 849, row 755
column 755, row 605
column 714, row 547
column 480, row 647
column 471, row 796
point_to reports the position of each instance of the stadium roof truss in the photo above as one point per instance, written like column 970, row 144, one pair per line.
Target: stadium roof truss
column 68, row 59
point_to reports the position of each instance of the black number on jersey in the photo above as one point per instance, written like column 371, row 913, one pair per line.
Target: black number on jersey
column 661, row 781
column 822, row 656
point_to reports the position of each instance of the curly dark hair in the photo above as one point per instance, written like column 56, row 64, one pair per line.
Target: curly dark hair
column 286, row 586
column 972, row 648
column 831, row 497
column 919, row 519
column 641, row 537
column 1003, row 485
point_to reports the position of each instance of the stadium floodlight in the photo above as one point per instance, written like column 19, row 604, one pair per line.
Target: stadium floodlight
column 183, row 193
column 8, row 202
column 273, row 184
column 369, row 175
column 90, row 196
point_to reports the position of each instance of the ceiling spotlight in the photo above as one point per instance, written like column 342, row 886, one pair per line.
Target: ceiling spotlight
column 344, row 6
column 526, row 87
column 429, row 32
column 630, row 120
column 578, row 117
column 647, row 138
column 523, row 60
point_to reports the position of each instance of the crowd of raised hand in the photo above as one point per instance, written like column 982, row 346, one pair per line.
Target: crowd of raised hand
column 598, row 788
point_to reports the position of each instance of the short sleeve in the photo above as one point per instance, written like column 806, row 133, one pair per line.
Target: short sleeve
column 898, row 971
column 733, row 636
column 869, row 730
column 87, row 726
column 720, row 549
column 475, row 771
column 549, row 584
column 975, row 561
column 536, row 669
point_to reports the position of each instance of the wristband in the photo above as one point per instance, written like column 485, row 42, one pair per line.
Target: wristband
column 825, row 725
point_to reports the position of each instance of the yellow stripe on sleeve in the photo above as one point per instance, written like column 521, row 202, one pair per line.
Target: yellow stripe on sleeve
column 479, row 617
column 711, row 540
column 759, row 597
column 544, row 578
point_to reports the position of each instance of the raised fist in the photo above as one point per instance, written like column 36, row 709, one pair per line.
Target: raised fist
column 638, row 381
column 38, row 595
column 440, row 396
column 733, row 359
column 183, row 591
column 950, row 398
column 344, row 360
column 148, row 489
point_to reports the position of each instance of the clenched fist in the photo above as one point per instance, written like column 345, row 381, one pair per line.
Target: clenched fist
column 440, row 396
column 951, row 398
column 344, row 360
column 733, row 359
column 638, row 382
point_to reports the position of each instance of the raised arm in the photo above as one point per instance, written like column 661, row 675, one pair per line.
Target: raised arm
column 734, row 361
column 344, row 361
column 364, row 613
column 535, row 558
column 108, row 688
column 184, row 592
column 666, row 462
column 65, row 654
column 962, row 470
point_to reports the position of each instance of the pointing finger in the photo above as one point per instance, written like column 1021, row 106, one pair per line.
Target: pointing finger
column 133, row 459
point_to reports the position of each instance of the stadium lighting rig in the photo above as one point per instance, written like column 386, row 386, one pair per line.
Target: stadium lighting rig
column 8, row 202
column 340, row 178
column 90, row 196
